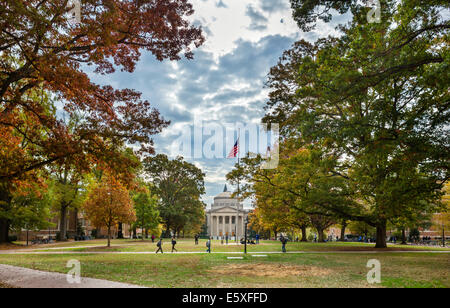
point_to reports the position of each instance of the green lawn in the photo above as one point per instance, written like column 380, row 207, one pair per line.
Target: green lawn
column 275, row 270
column 187, row 245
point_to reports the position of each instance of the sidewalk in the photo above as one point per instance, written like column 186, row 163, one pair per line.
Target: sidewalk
column 6, row 252
column 20, row 277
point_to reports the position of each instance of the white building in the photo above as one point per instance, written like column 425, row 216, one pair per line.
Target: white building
column 224, row 213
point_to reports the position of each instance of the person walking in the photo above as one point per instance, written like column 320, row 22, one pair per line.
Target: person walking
column 159, row 245
column 283, row 244
column 196, row 239
column 257, row 238
column 153, row 238
column 208, row 245
column 226, row 238
column 174, row 242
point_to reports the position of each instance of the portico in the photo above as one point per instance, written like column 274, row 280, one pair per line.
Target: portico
column 226, row 216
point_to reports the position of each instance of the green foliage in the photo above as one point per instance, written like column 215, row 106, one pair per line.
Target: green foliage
column 30, row 209
column 147, row 214
column 375, row 102
column 179, row 185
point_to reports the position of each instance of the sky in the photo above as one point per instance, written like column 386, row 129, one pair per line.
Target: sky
column 224, row 83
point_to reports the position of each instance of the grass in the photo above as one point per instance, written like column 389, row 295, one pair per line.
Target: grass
column 187, row 245
column 399, row 269
column 275, row 270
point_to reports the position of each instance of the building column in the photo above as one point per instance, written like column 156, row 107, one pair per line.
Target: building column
column 229, row 226
column 217, row 225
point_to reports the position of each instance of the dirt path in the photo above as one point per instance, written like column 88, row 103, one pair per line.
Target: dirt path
column 20, row 277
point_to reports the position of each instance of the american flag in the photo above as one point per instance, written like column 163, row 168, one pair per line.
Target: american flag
column 234, row 150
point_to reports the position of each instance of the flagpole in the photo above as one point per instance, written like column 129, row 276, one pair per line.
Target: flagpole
column 238, row 192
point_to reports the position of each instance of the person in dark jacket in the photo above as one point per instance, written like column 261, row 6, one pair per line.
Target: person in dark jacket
column 208, row 246
column 174, row 242
column 159, row 245
column 283, row 243
column 196, row 239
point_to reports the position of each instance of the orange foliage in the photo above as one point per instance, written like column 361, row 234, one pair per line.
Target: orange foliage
column 108, row 204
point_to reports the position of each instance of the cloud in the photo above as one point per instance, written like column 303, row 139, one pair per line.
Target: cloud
column 271, row 6
column 221, row 4
column 223, row 83
column 258, row 20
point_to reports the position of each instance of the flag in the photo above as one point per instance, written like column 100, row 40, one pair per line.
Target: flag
column 234, row 150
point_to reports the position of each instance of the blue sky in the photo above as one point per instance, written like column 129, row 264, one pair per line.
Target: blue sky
column 225, row 80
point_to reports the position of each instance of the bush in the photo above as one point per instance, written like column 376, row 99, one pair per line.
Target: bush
column 12, row 238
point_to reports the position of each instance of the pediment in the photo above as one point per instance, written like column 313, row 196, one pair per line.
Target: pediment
column 225, row 209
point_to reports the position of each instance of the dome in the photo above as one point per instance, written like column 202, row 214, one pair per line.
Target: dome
column 223, row 195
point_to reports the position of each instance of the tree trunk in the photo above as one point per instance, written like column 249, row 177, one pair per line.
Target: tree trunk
column 343, row 226
column 146, row 233
column 62, row 223
column 109, row 236
column 5, row 203
column 304, row 237
column 403, row 237
column 120, row 232
column 381, row 236
column 321, row 236
column 275, row 232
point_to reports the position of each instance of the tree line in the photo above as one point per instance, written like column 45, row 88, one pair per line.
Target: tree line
column 364, row 121
column 42, row 53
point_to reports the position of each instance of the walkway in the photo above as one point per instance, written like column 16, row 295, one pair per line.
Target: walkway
column 20, row 277
column 22, row 252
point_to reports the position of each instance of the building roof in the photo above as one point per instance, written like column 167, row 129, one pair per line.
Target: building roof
column 224, row 195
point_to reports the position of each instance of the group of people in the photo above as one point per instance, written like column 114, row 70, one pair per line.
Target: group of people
column 159, row 244
column 174, row 242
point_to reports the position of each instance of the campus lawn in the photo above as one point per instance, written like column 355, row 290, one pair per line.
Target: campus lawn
column 275, row 270
column 187, row 245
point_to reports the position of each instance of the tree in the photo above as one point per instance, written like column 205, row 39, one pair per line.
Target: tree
column 180, row 185
column 147, row 214
column 31, row 209
column 307, row 12
column 301, row 191
column 66, row 186
column 361, row 228
column 375, row 98
column 109, row 203
column 42, row 51
column 321, row 223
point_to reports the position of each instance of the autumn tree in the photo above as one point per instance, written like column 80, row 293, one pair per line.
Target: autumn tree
column 180, row 186
column 43, row 50
column 109, row 203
